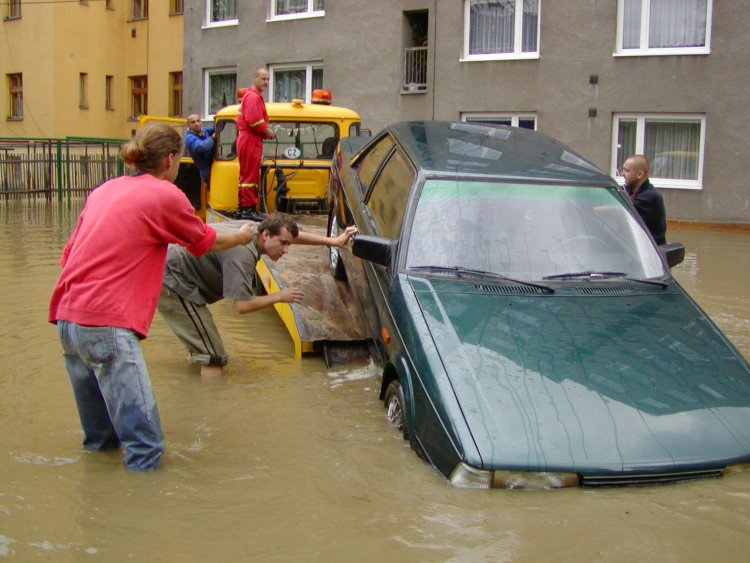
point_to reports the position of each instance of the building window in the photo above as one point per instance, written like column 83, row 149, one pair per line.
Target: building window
column 523, row 120
column 83, row 90
column 12, row 9
column 663, row 27
column 15, row 96
column 176, row 7
column 108, row 80
column 138, row 96
column 220, row 89
column 175, row 100
column 673, row 144
column 138, row 9
column 501, row 29
column 291, row 9
column 290, row 82
column 221, row 12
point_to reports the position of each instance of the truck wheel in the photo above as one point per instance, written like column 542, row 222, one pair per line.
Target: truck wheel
column 334, row 256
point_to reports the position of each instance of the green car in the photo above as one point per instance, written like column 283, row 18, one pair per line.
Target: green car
column 529, row 328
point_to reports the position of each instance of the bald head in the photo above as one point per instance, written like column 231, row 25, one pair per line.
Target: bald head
column 635, row 171
column 260, row 79
column 194, row 122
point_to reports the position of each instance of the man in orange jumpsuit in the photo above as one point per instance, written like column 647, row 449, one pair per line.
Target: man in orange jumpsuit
column 252, row 124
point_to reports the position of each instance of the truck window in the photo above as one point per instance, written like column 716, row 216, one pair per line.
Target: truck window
column 313, row 140
column 226, row 139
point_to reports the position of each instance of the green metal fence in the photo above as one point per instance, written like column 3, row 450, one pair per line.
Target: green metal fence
column 56, row 168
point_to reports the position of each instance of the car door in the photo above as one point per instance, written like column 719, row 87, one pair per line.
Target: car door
column 383, row 211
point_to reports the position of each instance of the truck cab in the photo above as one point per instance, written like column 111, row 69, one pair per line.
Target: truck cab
column 296, row 165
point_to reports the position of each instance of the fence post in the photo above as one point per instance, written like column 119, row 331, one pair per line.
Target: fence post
column 58, row 169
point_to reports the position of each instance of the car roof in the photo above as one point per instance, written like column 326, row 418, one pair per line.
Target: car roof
column 461, row 148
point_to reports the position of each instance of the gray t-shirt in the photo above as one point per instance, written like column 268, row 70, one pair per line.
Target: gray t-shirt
column 215, row 275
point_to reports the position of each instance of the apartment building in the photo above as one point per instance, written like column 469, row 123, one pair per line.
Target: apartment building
column 609, row 78
column 88, row 68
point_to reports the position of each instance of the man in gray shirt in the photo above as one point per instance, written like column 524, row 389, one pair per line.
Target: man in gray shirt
column 191, row 283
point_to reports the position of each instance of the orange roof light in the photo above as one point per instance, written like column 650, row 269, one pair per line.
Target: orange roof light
column 321, row 97
column 241, row 93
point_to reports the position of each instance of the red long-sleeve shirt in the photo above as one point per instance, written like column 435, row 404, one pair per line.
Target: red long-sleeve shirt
column 114, row 261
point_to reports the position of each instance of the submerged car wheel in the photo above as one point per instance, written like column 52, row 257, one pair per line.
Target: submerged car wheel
column 395, row 407
column 334, row 257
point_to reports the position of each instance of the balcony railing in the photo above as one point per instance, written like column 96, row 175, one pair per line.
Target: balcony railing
column 415, row 69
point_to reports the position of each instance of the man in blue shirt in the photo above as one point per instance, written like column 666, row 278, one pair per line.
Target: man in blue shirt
column 199, row 142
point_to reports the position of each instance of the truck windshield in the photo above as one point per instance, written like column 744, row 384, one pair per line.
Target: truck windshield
column 302, row 140
column 529, row 231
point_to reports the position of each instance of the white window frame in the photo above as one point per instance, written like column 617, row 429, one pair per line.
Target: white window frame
column 518, row 52
column 641, row 119
column 207, row 116
column 310, row 12
column 223, row 23
column 644, row 50
column 307, row 67
column 478, row 116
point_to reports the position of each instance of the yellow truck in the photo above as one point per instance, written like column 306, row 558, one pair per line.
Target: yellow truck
column 296, row 165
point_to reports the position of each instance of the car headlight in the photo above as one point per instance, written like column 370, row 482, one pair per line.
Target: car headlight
column 470, row 477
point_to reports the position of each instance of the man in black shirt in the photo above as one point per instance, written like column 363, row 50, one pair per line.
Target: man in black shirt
column 645, row 197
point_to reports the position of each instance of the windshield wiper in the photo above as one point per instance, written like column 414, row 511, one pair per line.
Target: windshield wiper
column 462, row 270
column 603, row 275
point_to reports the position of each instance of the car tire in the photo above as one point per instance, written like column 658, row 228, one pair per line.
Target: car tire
column 334, row 255
column 395, row 408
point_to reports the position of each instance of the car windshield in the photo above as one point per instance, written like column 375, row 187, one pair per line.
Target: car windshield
column 528, row 231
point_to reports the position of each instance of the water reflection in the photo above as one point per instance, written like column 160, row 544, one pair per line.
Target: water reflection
column 285, row 460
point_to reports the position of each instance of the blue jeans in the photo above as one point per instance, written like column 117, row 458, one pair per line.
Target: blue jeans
column 113, row 392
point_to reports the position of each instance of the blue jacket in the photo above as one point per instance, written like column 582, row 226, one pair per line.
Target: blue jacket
column 201, row 149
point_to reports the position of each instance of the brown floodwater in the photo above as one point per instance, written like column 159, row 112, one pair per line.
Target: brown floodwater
column 286, row 460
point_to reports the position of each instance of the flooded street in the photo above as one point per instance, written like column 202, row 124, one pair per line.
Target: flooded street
column 286, row 460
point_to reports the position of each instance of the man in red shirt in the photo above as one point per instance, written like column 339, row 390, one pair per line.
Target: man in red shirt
column 252, row 124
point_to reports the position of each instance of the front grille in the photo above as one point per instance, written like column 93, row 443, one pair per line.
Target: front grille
column 608, row 290
column 508, row 288
column 625, row 480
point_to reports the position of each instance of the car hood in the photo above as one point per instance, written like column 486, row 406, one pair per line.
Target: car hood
column 615, row 378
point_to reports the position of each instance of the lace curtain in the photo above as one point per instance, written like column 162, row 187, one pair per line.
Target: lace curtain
column 492, row 26
column 672, row 23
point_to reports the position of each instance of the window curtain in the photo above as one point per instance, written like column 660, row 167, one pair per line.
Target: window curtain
column 288, row 85
column 672, row 148
column 222, row 91
column 677, row 23
column 222, row 10
column 672, row 23
column 492, row 26
column 290, row 7
column 631, row 24
column 626, row 134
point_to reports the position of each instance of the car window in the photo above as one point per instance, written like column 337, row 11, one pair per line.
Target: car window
column 369, row 164
column 388, row 196
column 528, row 231
column 301, row 140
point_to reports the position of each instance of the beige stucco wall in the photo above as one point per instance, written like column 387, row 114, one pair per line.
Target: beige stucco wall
column 53, row 43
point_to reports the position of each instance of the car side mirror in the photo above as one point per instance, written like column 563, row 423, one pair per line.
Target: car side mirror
column 674, row 252
column 374, row 249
